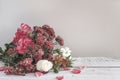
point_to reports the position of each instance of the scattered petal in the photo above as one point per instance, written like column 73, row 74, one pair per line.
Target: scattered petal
column 67, row 68
column 76, row 71
column 60, row 77
column 81, row 67
column 2, row 68
column 38, row 74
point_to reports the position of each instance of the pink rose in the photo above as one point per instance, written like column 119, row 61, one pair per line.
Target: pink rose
column 25, row 27
column 21, row 32
column 23, row 44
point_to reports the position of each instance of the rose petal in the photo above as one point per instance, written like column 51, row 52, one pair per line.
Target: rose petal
column 76, row 71
column 81, row 67
column 60, row 77
column 2, row 68
column 38, row 74
column 67, row 68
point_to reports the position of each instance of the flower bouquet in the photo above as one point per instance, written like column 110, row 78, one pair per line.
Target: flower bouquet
column 35, row 50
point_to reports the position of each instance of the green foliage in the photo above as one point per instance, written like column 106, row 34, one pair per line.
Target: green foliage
column 56, row 68
column 56, row 51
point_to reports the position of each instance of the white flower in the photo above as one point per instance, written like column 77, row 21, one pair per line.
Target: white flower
column 66, row 52
column 44, row 65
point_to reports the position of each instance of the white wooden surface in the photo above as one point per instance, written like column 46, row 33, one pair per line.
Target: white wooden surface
column 86, row 74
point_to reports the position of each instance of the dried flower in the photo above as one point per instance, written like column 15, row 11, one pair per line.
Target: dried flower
column 50, row 32
column 60, row 40
column 49, row 45
column 9, row 70
column 10, row 51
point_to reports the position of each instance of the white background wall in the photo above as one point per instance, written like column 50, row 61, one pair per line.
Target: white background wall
column 89, row 27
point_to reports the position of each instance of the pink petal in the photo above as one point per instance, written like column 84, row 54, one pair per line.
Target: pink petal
column 2, row 68
column 38, row 74
column 67, row 68
column 60, row 77
column 81, row 67
column 76, row 71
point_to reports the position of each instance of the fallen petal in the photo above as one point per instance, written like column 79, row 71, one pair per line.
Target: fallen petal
column 67, row 68
column 81, row 67
column 2, row 68
column 38, row 74
column 60, row 77
column 76, row 71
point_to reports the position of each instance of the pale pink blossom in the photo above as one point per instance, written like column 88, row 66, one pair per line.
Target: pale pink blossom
column 38, row 74
column 60, row 77
column 76, row 71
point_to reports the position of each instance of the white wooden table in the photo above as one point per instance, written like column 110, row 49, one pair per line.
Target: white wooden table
column 99, row 68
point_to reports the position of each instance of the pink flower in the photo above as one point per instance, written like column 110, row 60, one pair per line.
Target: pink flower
column 38, row 74
column 23, row 44
column 25, row 27
column 27, row 61
column 38, row 55
column 2, row 68
column 21, row 32
column 60, row 77
column 76, row 71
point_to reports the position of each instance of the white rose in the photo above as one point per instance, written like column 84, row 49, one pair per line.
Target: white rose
column 66, row 52
column 44, row 65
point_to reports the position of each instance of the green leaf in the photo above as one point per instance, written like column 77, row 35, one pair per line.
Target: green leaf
column 1, row 51
column 56, row 70
column 57, row 51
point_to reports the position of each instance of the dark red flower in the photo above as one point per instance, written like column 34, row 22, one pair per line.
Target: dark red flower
column 38, row 29
column 49, row 31
column 27, row 61
column 49, row 45
column 40, row 40
column 10, row 51
column 30, row 68
column 38, row 55
column 60, row 40
column 9, row 70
